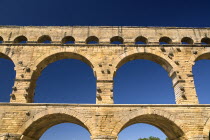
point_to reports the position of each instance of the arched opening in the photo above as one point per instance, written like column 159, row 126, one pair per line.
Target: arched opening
column 7, row 76
column 168, row 127
column 20, row 39
column 66, row 131
column 143, row 80
column 1, row 40
column 65, row 78
column 141, row 131
column 116, row 40
column 165, row 40
column 92, row 40
column 68, row 40
column 202, row 78
column 141, row 40
column 186, row 40
column 38, row 127
column 205, row 40
column 44, row 39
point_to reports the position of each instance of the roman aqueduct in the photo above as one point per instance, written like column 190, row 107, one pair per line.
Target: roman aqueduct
column 26, row 48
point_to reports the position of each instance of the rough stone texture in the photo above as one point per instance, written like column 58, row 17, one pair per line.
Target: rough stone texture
column 22, row 119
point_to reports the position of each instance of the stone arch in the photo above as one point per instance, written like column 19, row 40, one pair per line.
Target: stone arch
column 44, row 38
column 68, row 39
column 45, row 60
column 92, row 39
column 37, row 124
column 165, row 39
column 163, row 120
column 20, row 39
column 205, row 54
column 187, row 40
column 161, row 59
column 205, row 40
column 198, row 55
column 141, row 39
column 117, row 39
column 2, row 55
column 157, row 57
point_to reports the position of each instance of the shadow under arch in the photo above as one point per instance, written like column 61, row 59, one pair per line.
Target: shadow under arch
column 20, row 39
column 92, row 40
column 164, row 122
column 38, row 124
column 203, row 55
column 2, row 55
column 44, row 38
column 165, row 40
column 45, row 60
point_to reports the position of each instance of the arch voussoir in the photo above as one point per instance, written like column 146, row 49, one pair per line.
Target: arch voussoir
column 31, row 126
column 132, row 55
column 147, row 117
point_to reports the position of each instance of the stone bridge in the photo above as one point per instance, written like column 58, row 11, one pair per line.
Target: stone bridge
column 105, row 50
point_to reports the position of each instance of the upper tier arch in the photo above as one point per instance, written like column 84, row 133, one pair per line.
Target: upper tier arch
column 202, row 55
column 158, row 58
column 48, row 58
column 2, row 55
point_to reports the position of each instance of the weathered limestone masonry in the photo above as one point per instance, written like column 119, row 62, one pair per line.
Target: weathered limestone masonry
column 25, row 120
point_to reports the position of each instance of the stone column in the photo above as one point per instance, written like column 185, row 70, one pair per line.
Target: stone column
column 184, row 88
column 103, row 138
column 104, row 85
column 104, row 93
column 20, row 93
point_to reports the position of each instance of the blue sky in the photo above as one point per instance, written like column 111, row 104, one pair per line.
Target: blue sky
column 75, row 82
column 106, row 12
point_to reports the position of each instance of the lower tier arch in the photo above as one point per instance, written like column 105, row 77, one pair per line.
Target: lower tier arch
column 37, row 125
column 166, row 125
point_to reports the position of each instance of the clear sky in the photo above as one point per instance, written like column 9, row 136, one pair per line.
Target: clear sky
column 74, row 81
